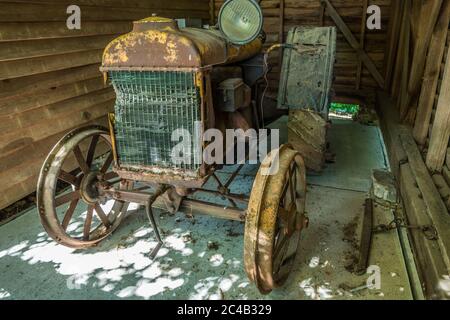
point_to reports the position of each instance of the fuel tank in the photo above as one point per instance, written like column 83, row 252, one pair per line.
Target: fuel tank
column 158, row 43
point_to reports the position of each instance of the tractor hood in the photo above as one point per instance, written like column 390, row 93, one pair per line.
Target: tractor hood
column 158, row 43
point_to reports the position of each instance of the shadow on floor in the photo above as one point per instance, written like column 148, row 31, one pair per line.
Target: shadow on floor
column 202, row 257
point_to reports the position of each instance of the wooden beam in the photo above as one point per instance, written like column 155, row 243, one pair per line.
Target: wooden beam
column 212, row 12
column 404, row 60
column 33, row 84
column 428, row 255
column 441, row 126
column 362, row 43
column 281, row 31
column 429, row 13
column 403, row 46
column 431, row 75
column 368, row 62
column 322, row 14
column 437, row 210
column 416, row 5
column 393, row 39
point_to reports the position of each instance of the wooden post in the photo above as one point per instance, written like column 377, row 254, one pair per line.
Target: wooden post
column 281, row 31
column 368, row 62
column 212, row 12
column 441, row 127
column 322, row 14
column 399, row 85
column 404, row 58
column 436, row 208
column 362, row 42
column 429, row 13
column 393, row 39
column 431, row 75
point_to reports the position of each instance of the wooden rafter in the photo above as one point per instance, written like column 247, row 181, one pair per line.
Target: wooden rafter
column 403, row 47
column 368, row 62
column 393, row 39
column 362, row 37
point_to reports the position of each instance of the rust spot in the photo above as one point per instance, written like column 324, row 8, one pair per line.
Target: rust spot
column 172, row 53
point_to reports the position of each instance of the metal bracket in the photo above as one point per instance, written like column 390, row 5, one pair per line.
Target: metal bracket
column 152, row 220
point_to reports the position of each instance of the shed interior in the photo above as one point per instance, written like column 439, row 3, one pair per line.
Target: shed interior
column 398, row 75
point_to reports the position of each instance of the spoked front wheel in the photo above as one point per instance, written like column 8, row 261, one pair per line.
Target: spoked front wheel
column 80, row 216
column 275, row 219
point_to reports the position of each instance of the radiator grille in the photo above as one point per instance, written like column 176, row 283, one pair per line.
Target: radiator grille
column 149, row 107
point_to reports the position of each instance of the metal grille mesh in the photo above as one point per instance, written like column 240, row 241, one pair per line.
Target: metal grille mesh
column 150, row 105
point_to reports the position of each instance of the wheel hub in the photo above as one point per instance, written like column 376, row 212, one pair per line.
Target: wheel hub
column 89, row 188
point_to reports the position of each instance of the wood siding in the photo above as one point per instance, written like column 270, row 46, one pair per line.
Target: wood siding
column 49, row 75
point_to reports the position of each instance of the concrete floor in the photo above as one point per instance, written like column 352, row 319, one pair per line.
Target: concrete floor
column 32, row 266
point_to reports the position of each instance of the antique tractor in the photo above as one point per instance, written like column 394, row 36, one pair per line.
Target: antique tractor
column 167, row 79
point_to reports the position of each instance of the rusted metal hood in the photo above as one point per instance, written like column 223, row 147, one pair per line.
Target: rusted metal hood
column 157, row 42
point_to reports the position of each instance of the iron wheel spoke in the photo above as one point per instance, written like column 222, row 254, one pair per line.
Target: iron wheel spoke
column 102, row 215
column 91, row 152
column 292, row 190
column 280, row 244
column 279, row 256
column 283, row 193
column 107, row 163
column 68, row 178
column 88, row 223
column 80, row 159
column 71, row 196
column 69, row 214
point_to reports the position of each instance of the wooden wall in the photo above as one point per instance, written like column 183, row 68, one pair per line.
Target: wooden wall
column 50, row 83
column 49, row 76
column 352, row 78
column 421, row 82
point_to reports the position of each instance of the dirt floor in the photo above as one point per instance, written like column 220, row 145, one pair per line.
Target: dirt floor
column 202, row 257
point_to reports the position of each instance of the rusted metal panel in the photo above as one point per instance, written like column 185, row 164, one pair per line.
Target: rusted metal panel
column 158, row 43
column 307, row 72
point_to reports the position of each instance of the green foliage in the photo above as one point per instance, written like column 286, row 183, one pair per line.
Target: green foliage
column 342, row 108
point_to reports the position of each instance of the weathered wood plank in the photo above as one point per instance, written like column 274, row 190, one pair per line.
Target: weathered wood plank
column 393, row 39
column 436, row 208
column 26, row 67
column 431, row 75
column 362, row 43
column 354, row 43
column 402, row 47
column 428, row 253
column 441, row 127
column 429, row 13
column 429, row 260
